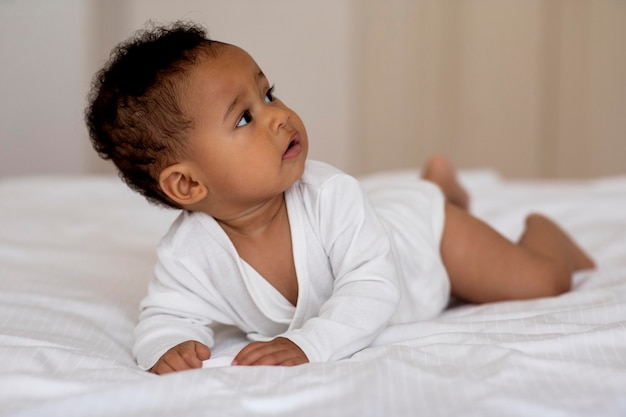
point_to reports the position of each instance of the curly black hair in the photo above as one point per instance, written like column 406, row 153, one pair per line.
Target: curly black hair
column 134, row 113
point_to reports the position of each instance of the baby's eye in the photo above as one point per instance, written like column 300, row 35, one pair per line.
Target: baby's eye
column 246, row 118
column 269, row 96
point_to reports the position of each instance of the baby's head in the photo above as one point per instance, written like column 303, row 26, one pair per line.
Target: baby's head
column 192, row 123
column 135, row 116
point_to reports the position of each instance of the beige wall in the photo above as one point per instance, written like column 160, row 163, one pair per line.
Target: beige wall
column 530, row 88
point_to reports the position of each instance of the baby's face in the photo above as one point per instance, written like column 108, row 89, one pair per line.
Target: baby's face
column 245, row 145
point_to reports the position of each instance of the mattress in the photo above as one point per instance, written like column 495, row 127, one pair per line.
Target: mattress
column 76, row 254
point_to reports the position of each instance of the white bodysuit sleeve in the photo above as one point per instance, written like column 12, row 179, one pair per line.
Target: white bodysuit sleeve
column 174, row 311
column 365, row 292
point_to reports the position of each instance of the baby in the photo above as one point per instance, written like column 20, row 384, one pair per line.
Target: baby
column 309, row 263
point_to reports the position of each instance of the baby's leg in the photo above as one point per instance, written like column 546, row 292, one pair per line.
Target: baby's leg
column 440, row 171
column 483, row 266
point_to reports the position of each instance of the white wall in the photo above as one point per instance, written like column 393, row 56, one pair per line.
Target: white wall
column 301, row 45
column 51, row 49
column 42, row 86
column 529, row 88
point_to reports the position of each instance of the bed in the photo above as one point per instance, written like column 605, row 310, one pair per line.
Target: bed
column 76, row 254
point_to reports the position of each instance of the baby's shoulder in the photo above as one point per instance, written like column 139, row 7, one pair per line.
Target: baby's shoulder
column 324, row 188
column 320, row 175
column 185, row 230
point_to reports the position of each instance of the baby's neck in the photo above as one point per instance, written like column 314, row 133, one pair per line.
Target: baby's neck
column 255, row 220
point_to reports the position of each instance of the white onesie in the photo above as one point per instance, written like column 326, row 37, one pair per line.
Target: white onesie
column 366, row 255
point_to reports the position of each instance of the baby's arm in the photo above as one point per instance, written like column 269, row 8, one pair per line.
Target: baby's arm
column 173, row 313
column 182, row 357
column 365, row 291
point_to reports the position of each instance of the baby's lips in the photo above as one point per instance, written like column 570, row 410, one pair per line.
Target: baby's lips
column 294, row 148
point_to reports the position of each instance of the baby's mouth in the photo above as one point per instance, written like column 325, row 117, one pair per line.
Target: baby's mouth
column 293, row 143
column 294, row 148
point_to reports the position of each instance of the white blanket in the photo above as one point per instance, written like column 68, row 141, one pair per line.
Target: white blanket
column 76, row 255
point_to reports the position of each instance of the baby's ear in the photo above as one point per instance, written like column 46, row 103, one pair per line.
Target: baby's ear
column 178, row 182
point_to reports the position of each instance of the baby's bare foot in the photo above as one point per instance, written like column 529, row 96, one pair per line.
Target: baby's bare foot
column 439, row 170
column 579, row 259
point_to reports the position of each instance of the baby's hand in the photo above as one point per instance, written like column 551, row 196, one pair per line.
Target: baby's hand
column 184, row 356
column 280, row 351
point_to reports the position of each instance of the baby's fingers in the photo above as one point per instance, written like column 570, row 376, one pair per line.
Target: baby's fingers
column 191, row 353
column 179, row 363
column 184, row 356
column 202, row 351
column 161, row 368
column 279, row 351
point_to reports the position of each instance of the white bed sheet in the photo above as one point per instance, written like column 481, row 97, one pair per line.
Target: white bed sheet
column 76, row 255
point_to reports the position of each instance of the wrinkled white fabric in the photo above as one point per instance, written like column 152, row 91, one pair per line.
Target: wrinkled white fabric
column 76, row 256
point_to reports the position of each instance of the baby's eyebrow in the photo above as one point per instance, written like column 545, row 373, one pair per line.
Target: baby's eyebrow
column 259, row 76
column 230, row 108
